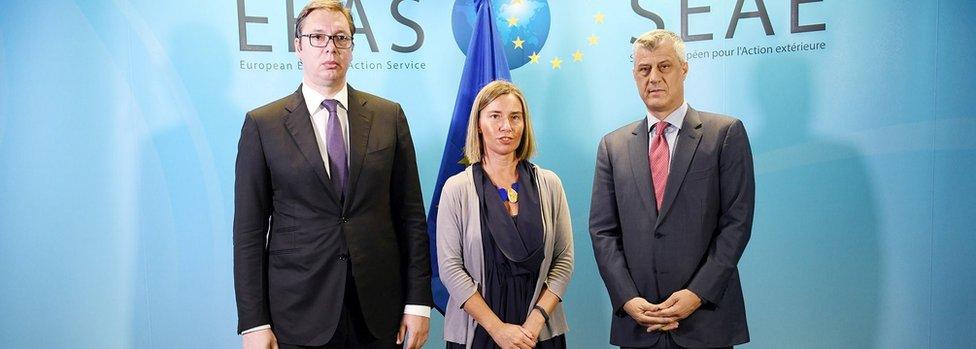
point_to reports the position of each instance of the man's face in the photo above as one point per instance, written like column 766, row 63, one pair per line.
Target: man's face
column 324, row 66
column 660, row 78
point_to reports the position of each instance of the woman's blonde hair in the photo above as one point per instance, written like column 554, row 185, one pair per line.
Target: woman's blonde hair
column 474, row 145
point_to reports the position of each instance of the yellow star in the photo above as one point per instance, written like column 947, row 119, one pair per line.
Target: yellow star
column 518, row 42
column 517, row 2
column 593, row 39
column 577, row 56
column 556, row 63
column 534, row 58
column 512, row 21
column 598, row 17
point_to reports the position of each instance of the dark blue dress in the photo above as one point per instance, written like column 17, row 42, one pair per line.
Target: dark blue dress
column 513, row 250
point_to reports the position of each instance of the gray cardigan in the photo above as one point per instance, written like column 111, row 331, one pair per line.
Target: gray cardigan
column 460, row 253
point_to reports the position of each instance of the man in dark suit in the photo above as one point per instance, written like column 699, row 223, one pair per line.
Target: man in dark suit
column 671, row 213
column 330, row 239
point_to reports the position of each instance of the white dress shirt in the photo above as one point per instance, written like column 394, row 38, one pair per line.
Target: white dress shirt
column 671, row 133
column 320, row 119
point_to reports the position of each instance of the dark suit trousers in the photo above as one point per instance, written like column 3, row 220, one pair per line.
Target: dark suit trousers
column 667, row 343
column 351, row 333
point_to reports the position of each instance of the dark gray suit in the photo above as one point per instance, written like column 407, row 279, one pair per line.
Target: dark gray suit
column 696, row 239
column 296, row 279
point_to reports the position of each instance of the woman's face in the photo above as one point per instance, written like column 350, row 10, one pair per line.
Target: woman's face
column 500, row 124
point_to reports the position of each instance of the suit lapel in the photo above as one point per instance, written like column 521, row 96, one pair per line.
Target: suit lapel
column 299, row 125
column 360, row 122
column 639, row 164
column 688, row 139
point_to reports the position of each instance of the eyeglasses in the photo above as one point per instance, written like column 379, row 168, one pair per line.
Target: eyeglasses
column 322, row 40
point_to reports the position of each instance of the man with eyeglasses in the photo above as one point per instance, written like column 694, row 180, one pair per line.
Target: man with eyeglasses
column 330, row 237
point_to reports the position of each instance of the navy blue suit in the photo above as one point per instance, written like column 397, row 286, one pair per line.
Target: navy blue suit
column 298, row 244
column 694, row 241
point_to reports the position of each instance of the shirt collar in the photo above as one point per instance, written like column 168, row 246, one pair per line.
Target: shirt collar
column 313, row 99
column 675, row 118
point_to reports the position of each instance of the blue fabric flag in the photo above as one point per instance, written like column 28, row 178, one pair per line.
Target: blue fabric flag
column 485, row 63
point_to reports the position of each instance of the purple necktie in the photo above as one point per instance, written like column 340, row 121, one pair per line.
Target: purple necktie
column 336, row 145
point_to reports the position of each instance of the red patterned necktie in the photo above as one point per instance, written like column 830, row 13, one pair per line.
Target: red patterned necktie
column 660, row 159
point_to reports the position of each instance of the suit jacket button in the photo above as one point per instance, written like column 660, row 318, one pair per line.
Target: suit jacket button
column 343, row 257
column 343, row 220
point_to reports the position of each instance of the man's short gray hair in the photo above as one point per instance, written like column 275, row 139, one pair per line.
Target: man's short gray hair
column 655, row 38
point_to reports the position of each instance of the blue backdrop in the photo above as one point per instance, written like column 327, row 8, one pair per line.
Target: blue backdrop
column 119, row 123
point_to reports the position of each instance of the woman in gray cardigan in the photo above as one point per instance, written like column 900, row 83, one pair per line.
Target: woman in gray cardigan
column 504, row 237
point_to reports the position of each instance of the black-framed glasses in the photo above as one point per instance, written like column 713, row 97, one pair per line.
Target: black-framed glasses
column 322, row 40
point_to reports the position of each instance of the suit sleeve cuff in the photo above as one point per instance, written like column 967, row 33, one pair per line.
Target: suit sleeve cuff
column 704, row 301
column 418, row 310
column 255, row 329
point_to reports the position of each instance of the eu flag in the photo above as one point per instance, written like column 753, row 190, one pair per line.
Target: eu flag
column 485, row 63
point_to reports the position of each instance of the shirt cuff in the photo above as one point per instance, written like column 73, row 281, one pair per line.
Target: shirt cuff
column 418, row 310
column 255, row 329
